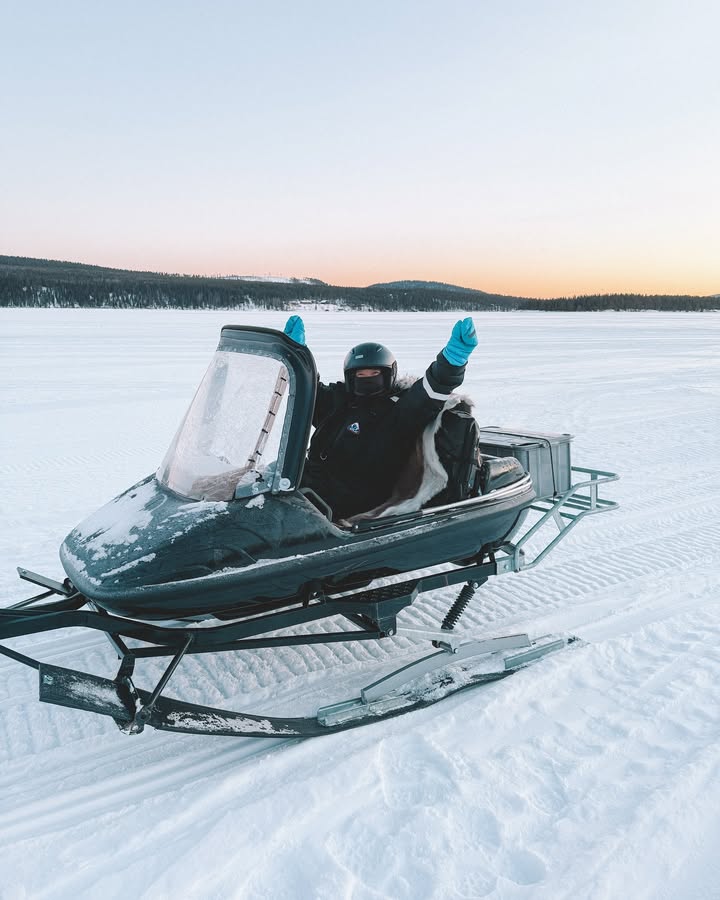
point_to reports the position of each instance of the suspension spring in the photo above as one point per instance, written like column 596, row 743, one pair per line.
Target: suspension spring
column 459, row 606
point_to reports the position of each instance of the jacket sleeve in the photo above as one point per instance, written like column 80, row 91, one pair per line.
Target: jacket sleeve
column 442, row 377
column 327, row 399
column 426, row 398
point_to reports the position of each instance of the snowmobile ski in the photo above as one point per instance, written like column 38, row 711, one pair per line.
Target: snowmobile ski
column 415, row 686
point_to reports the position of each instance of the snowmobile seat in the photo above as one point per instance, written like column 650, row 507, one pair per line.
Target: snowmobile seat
column 497, row 471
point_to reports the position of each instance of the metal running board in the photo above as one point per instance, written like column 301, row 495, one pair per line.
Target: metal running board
column 439, row 660
column 489, row 661
column 419, row 687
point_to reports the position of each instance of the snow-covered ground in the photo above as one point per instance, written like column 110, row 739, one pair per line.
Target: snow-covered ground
column 594, row 774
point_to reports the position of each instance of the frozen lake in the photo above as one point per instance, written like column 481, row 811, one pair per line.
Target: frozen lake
column 595, row 774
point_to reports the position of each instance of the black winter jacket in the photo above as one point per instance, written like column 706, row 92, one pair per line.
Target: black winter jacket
column 361, row 444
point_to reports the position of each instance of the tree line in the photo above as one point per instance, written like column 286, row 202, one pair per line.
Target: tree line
column 629, row 302
column 28, row 282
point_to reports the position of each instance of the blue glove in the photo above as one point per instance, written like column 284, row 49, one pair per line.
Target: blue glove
column 295, row 329
column 463, row 341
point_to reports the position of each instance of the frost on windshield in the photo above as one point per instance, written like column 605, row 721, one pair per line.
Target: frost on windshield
column 231, row 434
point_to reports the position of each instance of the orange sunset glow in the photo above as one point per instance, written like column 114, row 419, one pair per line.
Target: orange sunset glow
column 536, row 151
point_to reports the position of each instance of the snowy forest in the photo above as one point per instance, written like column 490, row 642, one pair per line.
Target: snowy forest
column 28, row 282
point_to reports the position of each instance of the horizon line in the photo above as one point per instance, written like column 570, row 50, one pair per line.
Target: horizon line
column 309, row 279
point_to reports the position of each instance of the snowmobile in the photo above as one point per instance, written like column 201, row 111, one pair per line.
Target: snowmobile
column 222, row 549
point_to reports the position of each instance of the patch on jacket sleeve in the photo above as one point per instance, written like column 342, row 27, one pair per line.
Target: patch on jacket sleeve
column 355, row 428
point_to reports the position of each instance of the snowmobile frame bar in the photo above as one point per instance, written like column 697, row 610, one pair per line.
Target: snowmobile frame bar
column 378, row 606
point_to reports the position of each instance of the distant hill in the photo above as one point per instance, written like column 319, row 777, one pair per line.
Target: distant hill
column 28, row 282
column 43, row 282
column 56, row 266
column 433, row 285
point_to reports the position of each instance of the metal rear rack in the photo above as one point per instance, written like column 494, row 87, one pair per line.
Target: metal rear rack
column 565, row 511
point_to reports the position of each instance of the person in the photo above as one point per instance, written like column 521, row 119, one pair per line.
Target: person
column 366, row 428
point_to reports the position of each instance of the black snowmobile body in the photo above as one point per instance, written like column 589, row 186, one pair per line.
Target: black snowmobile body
column 225, row 529
column 223, row 526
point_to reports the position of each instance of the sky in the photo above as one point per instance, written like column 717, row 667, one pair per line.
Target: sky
column 524, row 147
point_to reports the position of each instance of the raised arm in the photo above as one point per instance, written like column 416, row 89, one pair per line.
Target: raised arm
column 327, row 394
column 427, row 397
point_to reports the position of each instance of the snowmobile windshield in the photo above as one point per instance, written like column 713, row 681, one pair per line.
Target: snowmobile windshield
column 232, row 433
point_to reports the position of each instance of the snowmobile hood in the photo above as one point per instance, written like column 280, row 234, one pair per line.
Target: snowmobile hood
column 118, row 545
column 148, row 537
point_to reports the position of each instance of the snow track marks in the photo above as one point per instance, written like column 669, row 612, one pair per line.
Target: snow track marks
column 593, row 775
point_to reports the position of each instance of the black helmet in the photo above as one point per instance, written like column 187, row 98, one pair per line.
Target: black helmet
column 370, row 356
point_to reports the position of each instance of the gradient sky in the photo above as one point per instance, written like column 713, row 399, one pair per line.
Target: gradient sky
column 531, row 147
